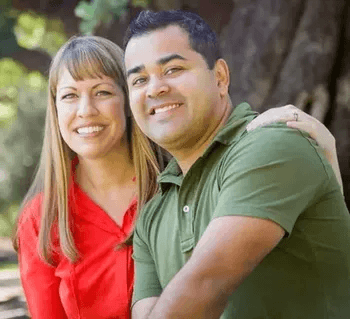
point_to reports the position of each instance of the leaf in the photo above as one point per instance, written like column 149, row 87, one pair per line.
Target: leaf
column 11, row 72
column 52, row 41
column 30, row 30
column 98, row 12
column 140, row 3
column 36, row 80
column 84, row 10
column 7, row 111
column 87, row 27
column 118, row 6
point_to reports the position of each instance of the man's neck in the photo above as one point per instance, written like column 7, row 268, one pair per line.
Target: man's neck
column 187, row 156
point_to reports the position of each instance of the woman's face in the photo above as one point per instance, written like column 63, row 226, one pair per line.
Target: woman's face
column 91, row 115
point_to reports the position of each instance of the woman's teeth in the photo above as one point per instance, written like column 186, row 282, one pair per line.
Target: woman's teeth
column 89, row 129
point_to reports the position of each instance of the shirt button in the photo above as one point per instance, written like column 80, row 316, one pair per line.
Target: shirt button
column 186, row 209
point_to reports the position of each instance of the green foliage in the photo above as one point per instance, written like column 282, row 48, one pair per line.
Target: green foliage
column 7, row 112
column 8, row 219
column 34, row 31
column 11, row 72
column 5, row 4
column 30, row 30
column 140, row 3
column 23, row 98
column 24, row 93
column 13, row 76
column 7, row 37
column 8, row 266
column 97, row 12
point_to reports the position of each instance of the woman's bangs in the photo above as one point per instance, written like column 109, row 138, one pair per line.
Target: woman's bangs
column 86, row 65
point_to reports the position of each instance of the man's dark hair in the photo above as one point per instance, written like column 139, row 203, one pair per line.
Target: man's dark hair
column 201, row 37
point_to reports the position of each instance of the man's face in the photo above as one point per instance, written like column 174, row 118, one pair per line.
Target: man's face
column 173, row 95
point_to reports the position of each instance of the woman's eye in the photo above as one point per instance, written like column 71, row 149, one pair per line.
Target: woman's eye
column 68, row 96
column 103, row 93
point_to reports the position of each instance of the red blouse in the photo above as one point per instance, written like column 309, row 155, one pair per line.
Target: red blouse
column 99, row 285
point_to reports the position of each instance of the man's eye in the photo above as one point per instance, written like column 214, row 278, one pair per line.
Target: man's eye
column 172, row 70
column 139, row 81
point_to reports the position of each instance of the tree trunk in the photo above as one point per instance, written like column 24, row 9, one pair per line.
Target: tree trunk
column 294, row 51
column 279, row 52
column 288, row 51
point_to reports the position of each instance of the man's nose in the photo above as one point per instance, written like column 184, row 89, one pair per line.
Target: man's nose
column 157, row 87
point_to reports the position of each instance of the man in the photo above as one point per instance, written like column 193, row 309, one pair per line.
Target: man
column 245, row 225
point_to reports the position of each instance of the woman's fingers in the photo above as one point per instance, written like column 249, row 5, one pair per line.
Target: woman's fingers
column 277, row 114
column 317, row 131
column 305, row 126
column 296, row 118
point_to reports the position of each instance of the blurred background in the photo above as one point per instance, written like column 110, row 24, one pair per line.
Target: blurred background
column 278, row 51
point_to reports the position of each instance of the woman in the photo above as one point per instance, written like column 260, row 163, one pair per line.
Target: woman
column 82, row 204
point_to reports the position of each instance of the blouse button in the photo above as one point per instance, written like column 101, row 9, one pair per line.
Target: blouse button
column 186, row 209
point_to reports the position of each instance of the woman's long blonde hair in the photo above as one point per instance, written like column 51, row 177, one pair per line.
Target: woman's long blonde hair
column 84, row 57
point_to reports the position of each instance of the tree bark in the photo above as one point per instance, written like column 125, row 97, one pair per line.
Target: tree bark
column 340, row 124
column 278, row 51
column 294, row 51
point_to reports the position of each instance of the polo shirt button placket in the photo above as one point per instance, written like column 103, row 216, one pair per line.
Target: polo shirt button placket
column 186, row 209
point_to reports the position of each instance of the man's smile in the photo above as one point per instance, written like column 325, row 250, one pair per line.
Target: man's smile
column 164, row 107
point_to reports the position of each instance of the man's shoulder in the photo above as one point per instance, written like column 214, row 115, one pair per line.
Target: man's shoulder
column 274, row 133
column 275, row 140
column 275, row 146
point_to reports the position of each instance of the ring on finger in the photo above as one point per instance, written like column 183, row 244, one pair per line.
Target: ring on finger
column 296, row 116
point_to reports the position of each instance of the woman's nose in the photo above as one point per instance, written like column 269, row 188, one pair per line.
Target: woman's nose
column 86, row 106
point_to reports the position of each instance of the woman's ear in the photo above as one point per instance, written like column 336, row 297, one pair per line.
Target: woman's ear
column 222, row 74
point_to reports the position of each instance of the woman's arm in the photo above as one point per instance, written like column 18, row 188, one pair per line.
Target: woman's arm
column 298, row 119
column 41, row 286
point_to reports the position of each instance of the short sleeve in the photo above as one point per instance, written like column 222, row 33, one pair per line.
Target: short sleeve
column 272, row 173
column 41, row 286
column 146, row 278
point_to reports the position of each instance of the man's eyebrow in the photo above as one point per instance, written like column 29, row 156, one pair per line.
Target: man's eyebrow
column 170, row 57
column 136, row 69
column 161, row 61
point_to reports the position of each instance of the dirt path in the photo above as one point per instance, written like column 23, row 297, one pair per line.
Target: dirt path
column 12, row 301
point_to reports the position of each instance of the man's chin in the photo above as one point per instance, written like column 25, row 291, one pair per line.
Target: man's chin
column 167, row 140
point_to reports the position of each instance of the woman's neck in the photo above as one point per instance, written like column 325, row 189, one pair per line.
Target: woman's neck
column 105, row 173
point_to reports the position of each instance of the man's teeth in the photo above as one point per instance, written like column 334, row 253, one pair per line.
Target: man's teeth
column 166, row 108
column 89, row 129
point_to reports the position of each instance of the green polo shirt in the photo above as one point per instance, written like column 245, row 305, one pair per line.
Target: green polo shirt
column 275, row 173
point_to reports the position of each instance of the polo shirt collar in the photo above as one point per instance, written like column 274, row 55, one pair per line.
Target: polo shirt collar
column 235, row 126
column 231, row 132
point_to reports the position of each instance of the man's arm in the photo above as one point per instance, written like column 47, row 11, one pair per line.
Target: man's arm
column 266, row 182
column 147, row 287
column 143, row 307
column 230, row 248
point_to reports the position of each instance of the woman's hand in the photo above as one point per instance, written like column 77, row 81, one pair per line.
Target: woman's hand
column 298, row 119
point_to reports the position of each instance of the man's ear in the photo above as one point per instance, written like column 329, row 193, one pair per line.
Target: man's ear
column 222, row 74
